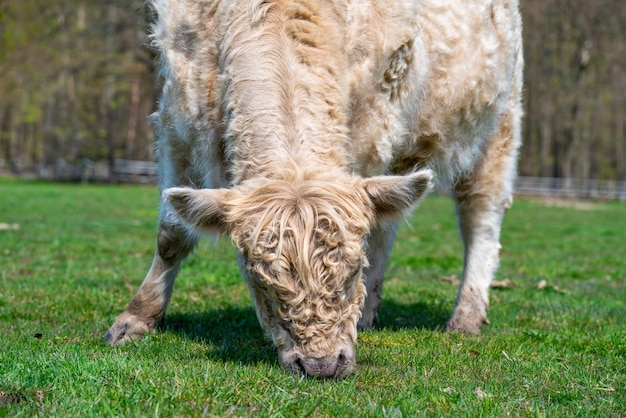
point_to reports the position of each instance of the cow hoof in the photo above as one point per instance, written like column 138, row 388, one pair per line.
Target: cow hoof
column 466, row 322
column 367, row 321
column 126, row 328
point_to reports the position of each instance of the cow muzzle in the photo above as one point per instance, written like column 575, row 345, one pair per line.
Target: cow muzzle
column 336, row 366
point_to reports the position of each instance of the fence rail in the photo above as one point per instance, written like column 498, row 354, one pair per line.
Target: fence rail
column 145, row 172
column 134, row 171
column 571, row 188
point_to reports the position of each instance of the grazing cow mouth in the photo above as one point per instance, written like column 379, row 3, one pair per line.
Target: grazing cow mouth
column 335, row 366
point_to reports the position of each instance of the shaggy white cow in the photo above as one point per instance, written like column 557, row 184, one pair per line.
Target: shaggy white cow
column 305, row 129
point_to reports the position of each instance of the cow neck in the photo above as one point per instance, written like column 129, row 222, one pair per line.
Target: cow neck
column 283, row 97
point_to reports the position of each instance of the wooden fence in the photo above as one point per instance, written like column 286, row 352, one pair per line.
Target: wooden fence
column 86, row 171
column 145, row 172
column 134, row 171
column 142, row 171
column 571, row 188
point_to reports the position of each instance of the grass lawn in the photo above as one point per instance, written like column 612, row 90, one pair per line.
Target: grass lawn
column 71, row 257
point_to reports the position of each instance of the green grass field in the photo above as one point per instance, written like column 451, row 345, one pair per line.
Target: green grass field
column 72, row 256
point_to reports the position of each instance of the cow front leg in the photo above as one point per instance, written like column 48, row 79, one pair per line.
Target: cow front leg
column 379, row 242
column 482, row 198
column 147, row 308
column 480, row 230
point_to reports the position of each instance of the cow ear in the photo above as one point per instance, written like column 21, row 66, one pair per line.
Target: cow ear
column 393, row 196
column 203, row 209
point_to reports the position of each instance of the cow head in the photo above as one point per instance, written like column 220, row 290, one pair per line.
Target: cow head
column 302, row 250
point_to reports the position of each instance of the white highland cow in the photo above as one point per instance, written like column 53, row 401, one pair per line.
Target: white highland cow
column 306, row 129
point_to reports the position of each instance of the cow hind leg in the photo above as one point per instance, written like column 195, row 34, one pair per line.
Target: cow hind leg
column 481, row 200
column 147, row 308
column 379, row 249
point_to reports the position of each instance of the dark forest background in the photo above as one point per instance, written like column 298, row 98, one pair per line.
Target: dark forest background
column 77, row 83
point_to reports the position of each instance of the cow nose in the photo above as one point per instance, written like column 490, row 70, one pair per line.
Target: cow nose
column 325, row 367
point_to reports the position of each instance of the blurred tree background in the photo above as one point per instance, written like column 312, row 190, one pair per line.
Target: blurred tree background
column 77, row 83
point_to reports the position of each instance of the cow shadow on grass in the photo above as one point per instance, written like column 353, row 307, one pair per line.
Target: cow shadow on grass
column 422, row 315
column 233, row 334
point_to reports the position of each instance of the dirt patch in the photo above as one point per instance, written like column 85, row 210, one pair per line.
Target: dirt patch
column 12, row 398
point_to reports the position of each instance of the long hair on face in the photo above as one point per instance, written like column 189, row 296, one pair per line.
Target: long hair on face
column 303, row 237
